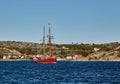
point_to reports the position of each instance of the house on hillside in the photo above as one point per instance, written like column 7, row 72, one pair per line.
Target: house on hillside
column 96, row 49
column 77, row 57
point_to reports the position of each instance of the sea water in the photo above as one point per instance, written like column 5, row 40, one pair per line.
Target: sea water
column 29, row 72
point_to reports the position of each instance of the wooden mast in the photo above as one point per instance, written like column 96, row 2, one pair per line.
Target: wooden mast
column 44, row 40
column 49, row 40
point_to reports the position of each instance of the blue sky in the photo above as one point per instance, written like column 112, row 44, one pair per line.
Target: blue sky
column 77, row 21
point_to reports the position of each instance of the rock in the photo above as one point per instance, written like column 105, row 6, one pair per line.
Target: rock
column 104, row 56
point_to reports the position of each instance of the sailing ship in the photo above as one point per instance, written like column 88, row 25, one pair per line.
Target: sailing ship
column 46, row 58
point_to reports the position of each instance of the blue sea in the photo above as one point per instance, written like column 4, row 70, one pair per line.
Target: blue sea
column 29, row 72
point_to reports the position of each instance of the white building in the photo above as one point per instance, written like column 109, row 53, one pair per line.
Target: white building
column 4, row 57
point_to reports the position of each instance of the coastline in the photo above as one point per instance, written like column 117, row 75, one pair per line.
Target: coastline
column 15, row 60
column 81, row 60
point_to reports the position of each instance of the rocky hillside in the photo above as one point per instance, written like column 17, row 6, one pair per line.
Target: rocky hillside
column 112, row 55
column 93, row 52
column 15, row 44
column 6, row 51
column 18, row 48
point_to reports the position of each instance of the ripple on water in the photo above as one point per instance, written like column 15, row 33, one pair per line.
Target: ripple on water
column 28, row 72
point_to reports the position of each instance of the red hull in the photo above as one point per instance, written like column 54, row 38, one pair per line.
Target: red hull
column 47, row 60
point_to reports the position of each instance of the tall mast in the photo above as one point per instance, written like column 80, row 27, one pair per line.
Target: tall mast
column 49, row 40
column 44, row 40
